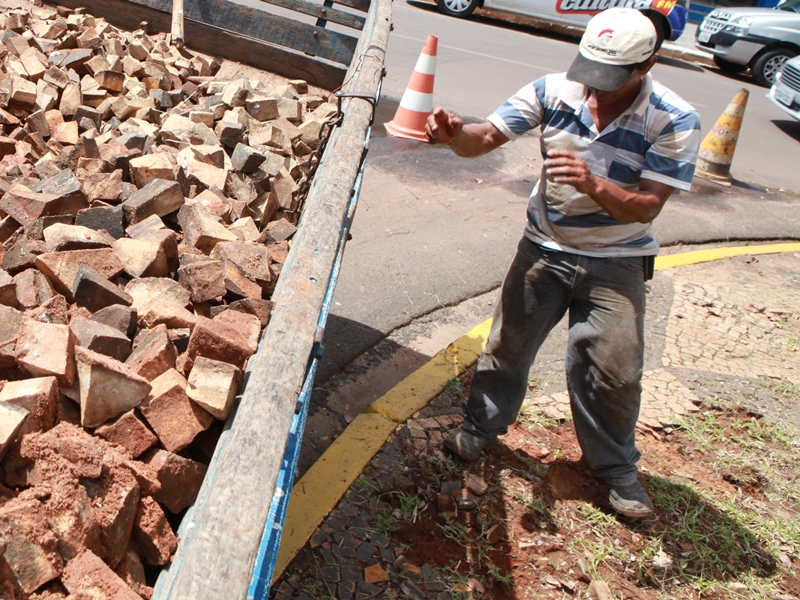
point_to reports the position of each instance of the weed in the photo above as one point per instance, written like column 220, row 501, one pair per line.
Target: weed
column 500, row 577
column 314, row 588
column 455, row 531
column 385, row 523
column 411, row 506
column 455, row 387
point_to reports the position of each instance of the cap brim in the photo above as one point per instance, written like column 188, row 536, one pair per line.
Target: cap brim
column 599, row 76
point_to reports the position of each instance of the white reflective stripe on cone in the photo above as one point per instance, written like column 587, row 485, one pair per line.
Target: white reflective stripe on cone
column 417, row 101
column 426, row 64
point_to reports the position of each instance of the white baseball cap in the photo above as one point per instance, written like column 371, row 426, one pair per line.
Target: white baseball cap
column 614, row 43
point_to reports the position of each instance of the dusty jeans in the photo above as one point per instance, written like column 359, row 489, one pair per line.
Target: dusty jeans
column 605, row 298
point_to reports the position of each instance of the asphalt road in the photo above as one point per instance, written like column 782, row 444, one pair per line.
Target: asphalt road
column 432, row 229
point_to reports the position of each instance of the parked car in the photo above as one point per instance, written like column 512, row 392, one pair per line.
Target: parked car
column 785, row 92
column 759, row 39
column 669, row 16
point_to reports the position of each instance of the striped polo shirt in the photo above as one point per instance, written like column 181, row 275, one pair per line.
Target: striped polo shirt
column 656, row 138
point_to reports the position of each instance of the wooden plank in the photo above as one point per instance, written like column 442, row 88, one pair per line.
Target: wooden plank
column 362, row 5
column 213, row 41
column 219, row 545
column 321, row 12
column 261, row 25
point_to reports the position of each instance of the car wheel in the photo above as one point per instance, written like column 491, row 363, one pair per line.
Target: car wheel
column 457, row 8
column 728, row 66
column 768, row 64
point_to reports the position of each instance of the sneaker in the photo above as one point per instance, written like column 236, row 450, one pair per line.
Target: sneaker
column 630, row 500
column 468, row 446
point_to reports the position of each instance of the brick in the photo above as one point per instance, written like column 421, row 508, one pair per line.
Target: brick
column 11, row 321
column 199, row 228
column 25, row 206
column 220, row 340
column 247, row 227
column 246, row 159
column 101, row 338
column 159, row 197
column 12, row 419
column 88, row 576
column 180, row 479
column 54, row 310
column 130, row 432
column 199, row 173
column 120, row 317
column 203, row 279
column 217, row 205
column 175, row 419
column 152, row 532
column 213, row 385
column 22, row 254
column 142, row 258
column 45, row 349
column 94, row 291
column 62, row 237
column 147, row 291
column 35, row 231
column 103, row 218
column 150, row 167
column 172, row 316
column 115, row 494
column 247, row 326
column 108, row 387
column 252, row 258
column 8, row 290
column 237, row 282
column 33, row 289
column 30, row 545
column 23, row 92
column 61, row 268
column 65, row 186
column 39, row 396
column 277, row 231
column 153, row 353
column 260, row 308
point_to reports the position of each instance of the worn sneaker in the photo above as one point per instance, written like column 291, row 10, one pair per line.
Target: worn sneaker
column 468, row 446
column 630, row 500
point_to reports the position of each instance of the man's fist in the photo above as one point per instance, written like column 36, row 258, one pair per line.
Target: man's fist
column 443, row 126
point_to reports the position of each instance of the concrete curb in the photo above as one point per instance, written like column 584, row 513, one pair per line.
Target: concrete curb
column 326, row 482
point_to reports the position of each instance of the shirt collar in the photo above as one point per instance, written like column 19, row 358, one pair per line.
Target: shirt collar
column 578, row 95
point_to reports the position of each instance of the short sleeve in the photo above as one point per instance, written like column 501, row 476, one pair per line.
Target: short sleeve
column 522, row 112
column 671, row 159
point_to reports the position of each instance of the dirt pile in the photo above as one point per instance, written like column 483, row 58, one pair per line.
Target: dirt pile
column 147, row 204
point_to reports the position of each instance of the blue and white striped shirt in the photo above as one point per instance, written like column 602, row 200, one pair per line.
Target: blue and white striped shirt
column 656, row 138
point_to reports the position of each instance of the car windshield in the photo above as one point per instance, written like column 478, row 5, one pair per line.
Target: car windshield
column 790, row 5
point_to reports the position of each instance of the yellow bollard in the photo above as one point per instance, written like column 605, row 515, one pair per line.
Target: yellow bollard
column 716, row 152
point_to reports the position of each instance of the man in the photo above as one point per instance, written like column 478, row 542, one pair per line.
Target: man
column 616, row 145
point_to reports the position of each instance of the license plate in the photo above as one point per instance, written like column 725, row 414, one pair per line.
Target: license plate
column 703, row 36
column 784, row 95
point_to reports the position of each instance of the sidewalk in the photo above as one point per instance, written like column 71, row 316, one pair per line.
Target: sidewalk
column 726, row 328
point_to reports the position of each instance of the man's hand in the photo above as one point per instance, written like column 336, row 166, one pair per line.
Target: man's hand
column 443, row 126
column 642, row 205
column 562, row 166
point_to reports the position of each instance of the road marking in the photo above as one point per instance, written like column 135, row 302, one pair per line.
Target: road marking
column 328, row 479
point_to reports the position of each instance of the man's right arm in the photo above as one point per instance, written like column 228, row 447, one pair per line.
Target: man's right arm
column 474, row 139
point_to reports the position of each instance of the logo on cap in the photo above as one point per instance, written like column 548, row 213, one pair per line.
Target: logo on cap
column 605, row 37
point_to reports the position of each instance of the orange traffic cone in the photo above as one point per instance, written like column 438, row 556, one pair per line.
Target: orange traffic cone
column 417, row 101
column 716, row 151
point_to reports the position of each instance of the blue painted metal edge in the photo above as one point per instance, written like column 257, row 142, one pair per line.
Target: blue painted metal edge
column 264, row 568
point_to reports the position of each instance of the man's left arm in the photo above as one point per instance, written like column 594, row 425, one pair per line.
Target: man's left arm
column 630, row 206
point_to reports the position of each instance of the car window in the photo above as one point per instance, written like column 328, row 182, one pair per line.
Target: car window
column 790, row 5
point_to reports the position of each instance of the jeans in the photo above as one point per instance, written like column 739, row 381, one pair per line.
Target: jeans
column 605, row 298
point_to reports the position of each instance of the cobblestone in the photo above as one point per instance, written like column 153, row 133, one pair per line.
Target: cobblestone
column 727, row 332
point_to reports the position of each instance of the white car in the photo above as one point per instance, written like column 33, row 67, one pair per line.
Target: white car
column 669, row 16
column 785, row 92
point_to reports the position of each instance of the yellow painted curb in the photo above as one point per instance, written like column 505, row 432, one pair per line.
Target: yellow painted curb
column 416, row 390
column 326, row 482
column 700, row 256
